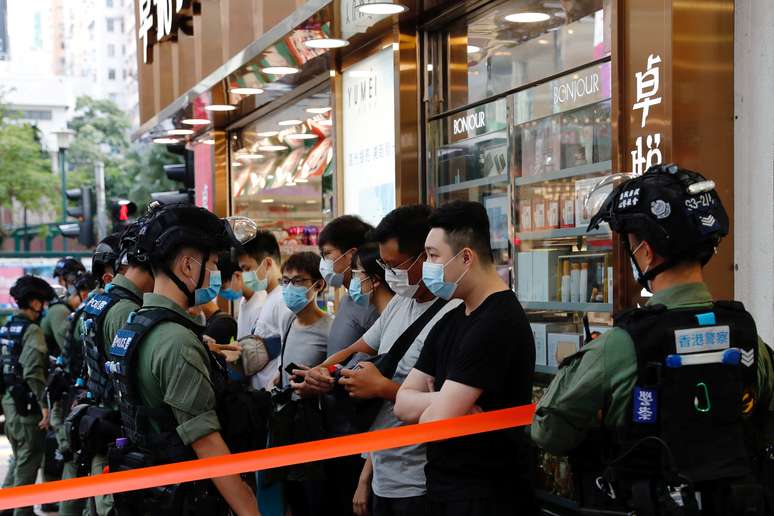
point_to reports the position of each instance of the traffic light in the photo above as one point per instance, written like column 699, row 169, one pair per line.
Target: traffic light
column 180, row 172
column 83, row 230
column 121, row 211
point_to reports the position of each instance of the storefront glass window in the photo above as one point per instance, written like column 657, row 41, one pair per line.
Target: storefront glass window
column 282, row 171
column 517, row 43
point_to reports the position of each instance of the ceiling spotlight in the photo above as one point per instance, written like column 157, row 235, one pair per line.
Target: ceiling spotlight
column 310, row 201
column 301, row 136
column 267, row 201
column 472, row 49
column 302, row 180
column 196, row 121
column 246, row 91
column 166, row 141
column 236, row 164
column 249, row 156
column 280, row 70
column 381, row 8
column 272, row 148
column 527, row 17
column 209, row 141
column 180, row 132
column 290, row 122
column 220, row 107
column 326, row 43
column 543, row 41
column 318, row 110
column 267, row 134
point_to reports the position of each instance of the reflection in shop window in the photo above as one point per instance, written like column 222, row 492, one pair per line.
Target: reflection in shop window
column 282, row 171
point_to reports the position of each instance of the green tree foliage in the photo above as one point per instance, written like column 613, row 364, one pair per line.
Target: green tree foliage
column 25, row 169
column 131, row 170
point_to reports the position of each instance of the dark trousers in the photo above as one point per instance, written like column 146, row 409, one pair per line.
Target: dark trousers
column 305, row 497
column 483, row 507
column 415, row 505
column 341, row 478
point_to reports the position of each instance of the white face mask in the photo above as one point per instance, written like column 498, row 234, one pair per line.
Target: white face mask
column 398, row 281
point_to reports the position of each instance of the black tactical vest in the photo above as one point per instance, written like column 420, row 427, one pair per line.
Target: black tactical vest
column 72, row 353
column 11, row 343
column 697, row 409
column 136, row 418
column 51, row 343
column 94, row 313
column 243, row 413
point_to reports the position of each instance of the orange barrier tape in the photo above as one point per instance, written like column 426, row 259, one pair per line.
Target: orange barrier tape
column 264, row 459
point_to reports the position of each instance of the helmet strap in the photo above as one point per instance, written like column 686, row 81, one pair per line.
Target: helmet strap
column 190, row 295
column 644, row 278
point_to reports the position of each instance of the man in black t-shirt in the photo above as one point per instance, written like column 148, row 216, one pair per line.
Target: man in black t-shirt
column 481, row 356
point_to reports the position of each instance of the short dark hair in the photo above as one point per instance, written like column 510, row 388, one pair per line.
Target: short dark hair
column 365, row 259
column 226, row 266
column 305, row 261
column 344, row 233
column 86, row 282
column 409, row 224
column 467, row 225
column 262, row 245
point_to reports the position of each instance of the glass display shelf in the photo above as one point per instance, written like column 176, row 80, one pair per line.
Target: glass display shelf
column 558, row 306
column 473, row 183
column 579, row 171
column 548, row 234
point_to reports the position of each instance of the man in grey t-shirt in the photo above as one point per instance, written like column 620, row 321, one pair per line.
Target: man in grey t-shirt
column 399, row 472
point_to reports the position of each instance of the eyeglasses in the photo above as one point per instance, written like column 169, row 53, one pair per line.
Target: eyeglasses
column 296, row 281
column 401, row 266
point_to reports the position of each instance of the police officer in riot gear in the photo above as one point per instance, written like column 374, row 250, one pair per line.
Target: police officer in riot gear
column 24, row 360
column 164, row 375
column 103, row 261
column 103, row 315
column 664, row 413
column 66, row 272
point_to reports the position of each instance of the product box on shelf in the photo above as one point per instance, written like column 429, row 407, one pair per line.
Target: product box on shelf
column 568, row 212
column 524, row 276
column 582, row 189
column 561, row 345
column 544, row 280
column 552, row 213
column 540, row 332
column 525, row 215
column 538, row 213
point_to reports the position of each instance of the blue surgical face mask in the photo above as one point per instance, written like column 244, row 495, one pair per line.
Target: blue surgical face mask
column 295, row 297
column 230, row 295
column 355, row 292
column 204, row 295
column 251, row 281
column 332, row 278
column 433, row 278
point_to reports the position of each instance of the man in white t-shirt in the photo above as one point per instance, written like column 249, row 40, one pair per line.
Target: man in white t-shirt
column 249, row 307
column 259, row 261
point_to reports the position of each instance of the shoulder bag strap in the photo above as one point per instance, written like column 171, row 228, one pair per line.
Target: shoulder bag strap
column 407, row 338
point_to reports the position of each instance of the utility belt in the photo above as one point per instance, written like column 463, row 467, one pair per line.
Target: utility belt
column 622, row 486
column 91, row 430
column 24, row 399
column 200, row 498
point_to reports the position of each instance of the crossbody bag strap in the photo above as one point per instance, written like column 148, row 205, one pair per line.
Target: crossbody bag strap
column 282, row 353
column 407, row 338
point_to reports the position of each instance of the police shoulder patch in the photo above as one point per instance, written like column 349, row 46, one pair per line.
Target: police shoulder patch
column 97, row 304
column 121, row 342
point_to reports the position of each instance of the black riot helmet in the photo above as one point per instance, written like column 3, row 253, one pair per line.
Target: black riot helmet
column 105, row 255
column 677, row 211
column 171, row 227
column 68, row 268
column 28, row 288
column 129, row 253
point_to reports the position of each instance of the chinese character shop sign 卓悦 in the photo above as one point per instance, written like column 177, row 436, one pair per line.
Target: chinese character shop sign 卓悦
column 159, row 20
column 648, row 154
